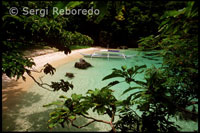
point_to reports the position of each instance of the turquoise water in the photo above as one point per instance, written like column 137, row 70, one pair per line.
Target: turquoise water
column 83, row 81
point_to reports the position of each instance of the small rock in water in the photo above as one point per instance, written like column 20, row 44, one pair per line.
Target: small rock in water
column 81, row 60
column 69, row 75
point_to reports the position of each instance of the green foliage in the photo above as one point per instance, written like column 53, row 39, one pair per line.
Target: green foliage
column 178, row 32
column 149, row 43
column 103, row 100
column 102, row 6
column 180, row 22
column 100, row 100
column 170, row 89
column 155, row 122
column 128, row 74
column 105, row 38
column 164, row 93
column 152, row 98
column 181, row 53
column 129, row 121
column 80, row 39
column 23, row 31
column 13, row 64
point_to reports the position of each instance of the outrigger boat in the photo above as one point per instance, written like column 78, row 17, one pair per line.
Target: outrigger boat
column 107, row 54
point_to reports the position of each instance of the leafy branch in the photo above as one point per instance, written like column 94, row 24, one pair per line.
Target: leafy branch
column 55, row 86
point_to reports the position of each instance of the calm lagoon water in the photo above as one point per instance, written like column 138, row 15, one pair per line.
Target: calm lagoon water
column 34, row 117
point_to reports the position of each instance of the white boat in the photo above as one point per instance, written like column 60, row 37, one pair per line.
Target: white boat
column 107, row 54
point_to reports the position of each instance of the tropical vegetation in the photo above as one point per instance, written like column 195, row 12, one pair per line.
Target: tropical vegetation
column 165, row 93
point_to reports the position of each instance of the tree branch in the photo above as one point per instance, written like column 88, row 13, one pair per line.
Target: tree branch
column 110, row 123
column 113, row 116
column 40, row 84
column 83, row 125
column 113, row 128
column 33, row 70
column 183, row 109
column 95, row 119
column 187, row 111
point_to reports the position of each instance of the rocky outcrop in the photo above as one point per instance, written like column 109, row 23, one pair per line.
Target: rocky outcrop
column 82, row 64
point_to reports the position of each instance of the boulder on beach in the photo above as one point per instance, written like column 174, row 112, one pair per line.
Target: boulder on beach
column 82, row 64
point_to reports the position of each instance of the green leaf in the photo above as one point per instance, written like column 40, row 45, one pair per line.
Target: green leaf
column 54, row 103
column 89, row 91
column 13, row 17
column 124, row 67
column 137, row 96
column 129, row 89
column 130, row 71
column 51, row 125
column 113, row 83
column 112, row 75
column 129, row 97
column 102, row 6
column 73, row 4
column 72, row 117
column 139, row 67
column 163, row 23
column 61, row 120
column 76, row 97
column 63, row 97
column 96, row 92
column 140, row 83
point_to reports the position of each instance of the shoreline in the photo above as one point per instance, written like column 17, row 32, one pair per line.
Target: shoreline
column 56, row 59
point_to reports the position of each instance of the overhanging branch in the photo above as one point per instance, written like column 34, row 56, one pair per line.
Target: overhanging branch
column 40, row 84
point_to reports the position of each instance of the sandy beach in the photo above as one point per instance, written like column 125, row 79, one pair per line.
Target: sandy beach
column 55, row 59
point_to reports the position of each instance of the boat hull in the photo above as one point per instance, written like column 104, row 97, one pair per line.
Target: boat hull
column 106, row 56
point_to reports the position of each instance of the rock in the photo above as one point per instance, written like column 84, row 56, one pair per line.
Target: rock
column 82, row 60
column 82, row 64
column 69, row 75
